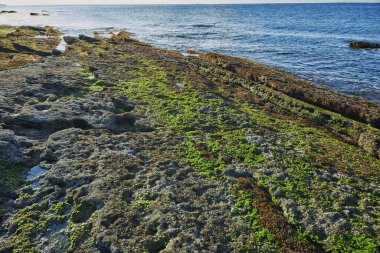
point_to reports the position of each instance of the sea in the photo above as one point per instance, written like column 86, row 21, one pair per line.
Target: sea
column 309, row 40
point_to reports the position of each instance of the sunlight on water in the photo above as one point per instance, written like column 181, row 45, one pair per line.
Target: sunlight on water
column 35, row 172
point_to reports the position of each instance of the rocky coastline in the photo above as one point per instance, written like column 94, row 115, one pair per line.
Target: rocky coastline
column 114, row 145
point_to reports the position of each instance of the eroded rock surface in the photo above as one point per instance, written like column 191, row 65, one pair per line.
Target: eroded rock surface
column 139, row 149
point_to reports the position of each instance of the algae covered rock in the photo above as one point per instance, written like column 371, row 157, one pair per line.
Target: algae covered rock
column 238, row 158
column 370, row 142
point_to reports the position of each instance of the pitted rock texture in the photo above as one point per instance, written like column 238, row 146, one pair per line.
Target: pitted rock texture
column 140, row 149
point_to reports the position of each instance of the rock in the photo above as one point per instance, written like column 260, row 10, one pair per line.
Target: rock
column 9, row 12
column 70, row 39
column 83, row 212
column 124, row 189
column 95, row 111
column 370, row 142
column 36, row 28
column 56, row 52
column 364, row 45
column 12, row 147
column 122, row 103
column 87, row 39
column 34, row 14
column 190, row 51
column 31, row 79
column 121, row 37
column 332, row 217
column 237, row 171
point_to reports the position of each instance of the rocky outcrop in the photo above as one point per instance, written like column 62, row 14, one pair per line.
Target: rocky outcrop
column 351, row 107
column 364, row 45
column 13, row 148
column 88, row 38
column 92, row 112
column 118, row 146
column 26, row 44
column 6, row 11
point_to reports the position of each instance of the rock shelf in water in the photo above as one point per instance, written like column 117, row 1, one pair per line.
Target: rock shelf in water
column 150, row 150
column 364, row 45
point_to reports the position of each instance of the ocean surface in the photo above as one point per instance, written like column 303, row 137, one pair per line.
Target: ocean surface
column 310, row 40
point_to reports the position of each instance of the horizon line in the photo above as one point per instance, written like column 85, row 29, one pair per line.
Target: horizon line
column 243, row 3
column 256, row 3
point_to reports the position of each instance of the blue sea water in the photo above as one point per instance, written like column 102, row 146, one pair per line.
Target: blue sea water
column 310, row 40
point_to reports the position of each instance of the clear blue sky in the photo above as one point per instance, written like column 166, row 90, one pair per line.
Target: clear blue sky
column 45, row 2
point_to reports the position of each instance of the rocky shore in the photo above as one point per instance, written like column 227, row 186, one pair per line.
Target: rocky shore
column 117, row 146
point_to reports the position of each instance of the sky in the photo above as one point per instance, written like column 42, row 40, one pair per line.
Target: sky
column 67, row 2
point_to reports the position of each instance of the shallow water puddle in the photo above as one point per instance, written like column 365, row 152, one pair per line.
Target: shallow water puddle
column 62, row 45
column 189, row 55
column 43, row 37
column 34, row 173
column 57, row 227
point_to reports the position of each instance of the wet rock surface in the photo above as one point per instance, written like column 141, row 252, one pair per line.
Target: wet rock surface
column 117, row 146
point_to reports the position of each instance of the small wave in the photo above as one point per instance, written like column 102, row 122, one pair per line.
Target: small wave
column 203, row 25
column 191, row 35
column 285, row 53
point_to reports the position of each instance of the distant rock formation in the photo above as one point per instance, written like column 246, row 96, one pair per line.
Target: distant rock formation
column 5, row 11
column 364, row 45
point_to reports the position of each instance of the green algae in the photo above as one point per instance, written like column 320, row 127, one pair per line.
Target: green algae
column 354, row 243
column 28, row 221
column 81, row 222
column 144, row 202
column 213, row 153
column 324, row 119
column 213, row 130
column 82, row 212
column 263, row 238
column 12, row 174
column 5, row 30
column 35, row 219
column 213, row 140
column 61, row 208
column 319, row 144
column 79, row 233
